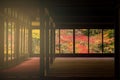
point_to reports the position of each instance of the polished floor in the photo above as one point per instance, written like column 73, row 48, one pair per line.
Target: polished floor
column 78, row 68
column 28, row 69
column 82, row 67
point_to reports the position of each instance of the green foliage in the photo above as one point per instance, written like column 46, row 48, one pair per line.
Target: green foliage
column 94, row 32
column 85, row 32
column 110, row 33
column 100, row 46
column 108, row 41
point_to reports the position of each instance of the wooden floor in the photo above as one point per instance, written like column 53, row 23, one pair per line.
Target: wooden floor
column 27, row 70
column 78, row 68
column 82, row 67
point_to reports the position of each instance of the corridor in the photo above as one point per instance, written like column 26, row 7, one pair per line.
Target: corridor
column 27, row 69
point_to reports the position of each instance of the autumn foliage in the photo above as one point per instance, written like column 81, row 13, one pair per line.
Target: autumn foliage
column 96, row 40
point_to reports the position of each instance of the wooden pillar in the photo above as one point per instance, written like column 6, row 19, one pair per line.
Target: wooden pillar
column 1, row 41
column 30, row 41
column 24, row 42
column 51, row 45
column 11, row 39
column 118, row 56
column 17, row 42
column 42, row 42
column 54, row 41
column 117, row 41
column 47, row 45
column 50, row 49
column 6, row 42
column 73, row 41
column 28, row 35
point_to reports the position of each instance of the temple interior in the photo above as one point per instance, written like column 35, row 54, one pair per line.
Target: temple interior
column 59, row 39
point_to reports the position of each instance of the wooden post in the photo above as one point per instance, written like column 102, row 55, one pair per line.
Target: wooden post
column 1, row 41
column 47, row 45
column 17, row 42
column 54, row 41
column 117, row 41
column 51, row 45
column 30, row 41
column 42, row 42
column 73, row 41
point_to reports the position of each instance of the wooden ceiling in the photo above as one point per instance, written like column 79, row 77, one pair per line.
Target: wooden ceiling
column 68, row 13
column 72, row 13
